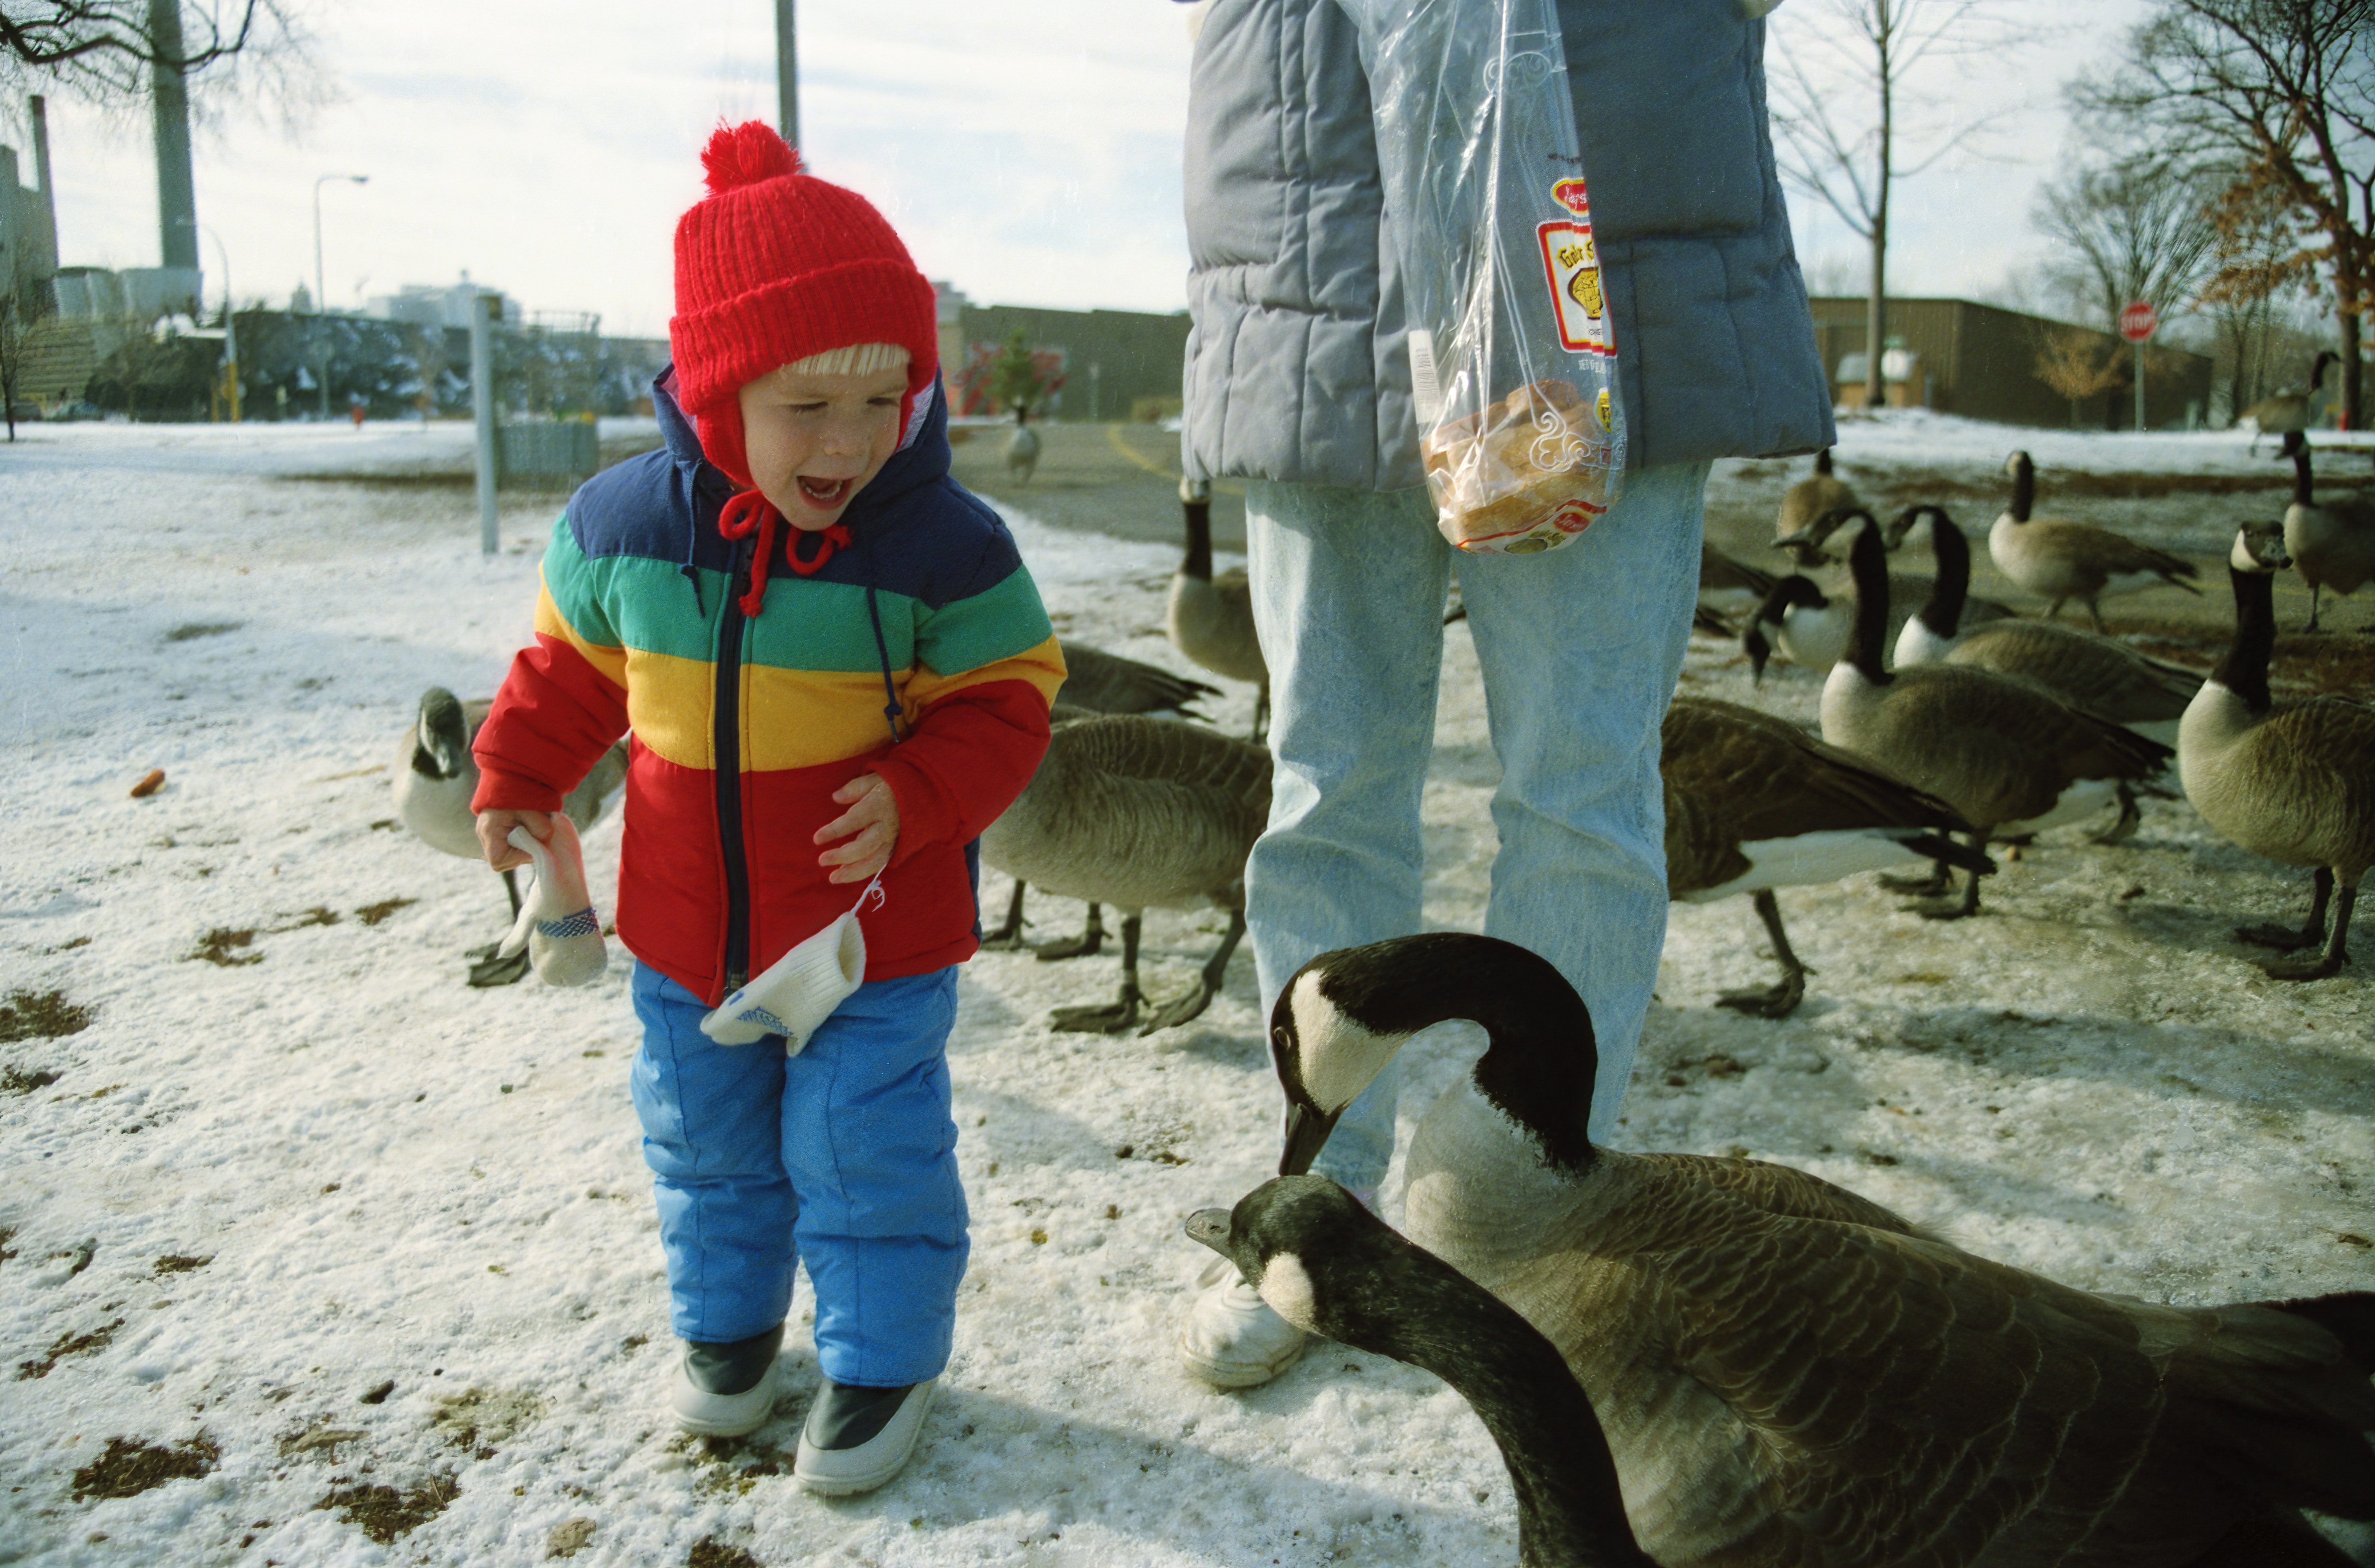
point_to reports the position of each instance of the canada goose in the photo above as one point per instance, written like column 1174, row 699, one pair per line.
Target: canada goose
column 434, row 776
column 1804, row 502
column 2105, row 677
column 1211, row 619
column 2006, row 753
column 1138, row 813
column 1788, row 1374
column 1810, row 627
column 2332, row 546
column 2061, row 560
column 2286, row 412
column 1023, row 453
column 1754, row 803
column 1099, row 682
column 1331, row 1267
column 2295, row 783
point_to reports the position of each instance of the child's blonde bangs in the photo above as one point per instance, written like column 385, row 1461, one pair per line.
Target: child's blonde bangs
column 856, row 359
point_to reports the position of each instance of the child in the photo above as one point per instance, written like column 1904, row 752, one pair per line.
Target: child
column 875, row 679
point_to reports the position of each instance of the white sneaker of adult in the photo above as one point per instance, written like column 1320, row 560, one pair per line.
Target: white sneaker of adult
column 1232, row 1340
column 721, row 1415
column 839, row 1456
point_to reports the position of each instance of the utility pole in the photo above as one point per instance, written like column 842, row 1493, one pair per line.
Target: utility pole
column 482, row 404
column 787, row 75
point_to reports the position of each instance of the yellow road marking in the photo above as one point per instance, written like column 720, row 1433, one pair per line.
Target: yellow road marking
column 1162, row 471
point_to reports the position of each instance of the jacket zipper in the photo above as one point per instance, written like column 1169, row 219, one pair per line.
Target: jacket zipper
column 726, row 745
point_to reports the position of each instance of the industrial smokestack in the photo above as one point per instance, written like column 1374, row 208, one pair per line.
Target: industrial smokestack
column 177, row 199
column 38, row 112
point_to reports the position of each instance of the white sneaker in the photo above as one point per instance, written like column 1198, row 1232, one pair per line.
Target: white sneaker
column 848, row 1444
column 1232, row 1340
column 704, row 1414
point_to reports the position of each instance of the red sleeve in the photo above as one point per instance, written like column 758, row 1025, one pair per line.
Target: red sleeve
column 551, row 723
column 969, row 756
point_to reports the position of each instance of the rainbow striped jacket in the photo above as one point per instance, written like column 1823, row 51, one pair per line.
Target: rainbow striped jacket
column 744, row 726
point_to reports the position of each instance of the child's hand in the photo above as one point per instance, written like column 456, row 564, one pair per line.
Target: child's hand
column 495, row 833
column 873, row 816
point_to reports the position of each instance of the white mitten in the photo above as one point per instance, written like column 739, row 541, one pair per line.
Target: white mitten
column 557, row 923
column 798, row 992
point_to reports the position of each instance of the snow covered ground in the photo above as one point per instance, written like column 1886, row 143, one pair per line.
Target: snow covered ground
column 374, row 1254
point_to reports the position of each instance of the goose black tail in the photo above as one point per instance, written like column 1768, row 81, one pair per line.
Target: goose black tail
column 2348, row 1315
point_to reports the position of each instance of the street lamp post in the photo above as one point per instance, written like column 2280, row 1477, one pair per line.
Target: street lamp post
column 230, row 321
column 321, row 296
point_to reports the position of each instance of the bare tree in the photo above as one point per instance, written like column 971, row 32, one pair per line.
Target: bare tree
column 106, row 53
column 2256, row 271
column 2284, row 90
column 2137, row 229
column 1845, row 66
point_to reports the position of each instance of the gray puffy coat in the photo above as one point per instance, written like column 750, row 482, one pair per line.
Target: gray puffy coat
column 1296, row 364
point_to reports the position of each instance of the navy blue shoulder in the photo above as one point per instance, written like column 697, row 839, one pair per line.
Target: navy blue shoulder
column 646, row 506
column 939, row 542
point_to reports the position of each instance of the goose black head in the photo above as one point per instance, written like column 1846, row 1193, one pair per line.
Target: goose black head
column 441, row 748
column 1793, row 592
column 1901, row 528
column 1284, row 1230
column 2260, row 548
column 1343, row 1015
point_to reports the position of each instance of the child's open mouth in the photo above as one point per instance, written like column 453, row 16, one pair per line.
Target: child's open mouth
column 824, row 493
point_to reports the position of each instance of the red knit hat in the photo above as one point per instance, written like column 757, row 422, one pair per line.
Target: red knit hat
column 773, row 265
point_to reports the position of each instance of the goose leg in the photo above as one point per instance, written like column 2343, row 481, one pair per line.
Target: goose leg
column 1120, row 1014
column 1261, row 713
column 2054, row 611
column 2095, row 611
column 1009, row 933
column 1090, row 941
column 1179, row 1009
column 1783, row 998
column 1954, row 909
column 2329, row 962
column 2130, row 815
column 487, row 971
column 2284, row 938
column 2314, row 590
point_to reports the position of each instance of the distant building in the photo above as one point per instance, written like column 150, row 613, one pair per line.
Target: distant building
column 441, row 305
column 29, row 226
column 1112, row 362
column 1984, row 362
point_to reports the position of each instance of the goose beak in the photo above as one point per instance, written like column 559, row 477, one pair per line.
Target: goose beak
column 1211, row 1226
column 1798, row 540
column 1306, row 1133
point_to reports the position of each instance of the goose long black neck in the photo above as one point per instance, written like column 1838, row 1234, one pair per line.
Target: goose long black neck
column 1868, row 561
column 1570, row 1508
column 1951, row 586
column 1823, row 462
column 2024, row 488
column 2317, row 372
column 1540, row 1066
column 1198, row 562
column 2244, row 670
column 2304, row 480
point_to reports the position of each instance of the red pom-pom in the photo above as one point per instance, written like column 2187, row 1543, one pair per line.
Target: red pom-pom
column 746, row 154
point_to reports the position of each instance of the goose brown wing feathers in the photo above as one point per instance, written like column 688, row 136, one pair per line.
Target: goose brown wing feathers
column 2103, row 550
column 2106, row 679
column 1764, row 778
column 1971, row 764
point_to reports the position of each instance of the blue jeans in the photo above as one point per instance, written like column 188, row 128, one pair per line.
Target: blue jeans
column 1579, row 648
column 844, row 1155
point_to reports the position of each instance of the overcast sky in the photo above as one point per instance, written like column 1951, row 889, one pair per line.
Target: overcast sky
column 1028, row 152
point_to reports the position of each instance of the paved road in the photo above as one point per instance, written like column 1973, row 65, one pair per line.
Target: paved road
column 1119, row 478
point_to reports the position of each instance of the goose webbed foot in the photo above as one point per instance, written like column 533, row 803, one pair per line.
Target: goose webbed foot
column 488, row 971
column 1088, row 944
column 2284, row 938
column 1113, row 1018
column 1950, row 909
column 2130, row 816
column 1119, row 1014
column 1935, row 885
column 2317, row 966
column 1779, row 1000
column 1782, row 998
column 1007, row 936
column 1181, row 1009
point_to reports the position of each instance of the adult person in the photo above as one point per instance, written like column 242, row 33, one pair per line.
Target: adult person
column 1298, row 383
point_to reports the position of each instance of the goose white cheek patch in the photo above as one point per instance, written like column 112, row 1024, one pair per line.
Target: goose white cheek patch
column 1285, row 1285
column 795, row 994
column 557, row 923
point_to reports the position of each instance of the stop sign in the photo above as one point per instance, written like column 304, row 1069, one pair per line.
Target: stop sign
column 2139, row 321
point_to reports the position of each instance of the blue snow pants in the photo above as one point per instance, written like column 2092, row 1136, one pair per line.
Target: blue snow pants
column 844, row 1156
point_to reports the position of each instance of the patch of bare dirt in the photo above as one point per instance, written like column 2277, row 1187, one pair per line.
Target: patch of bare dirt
column 131, row 1466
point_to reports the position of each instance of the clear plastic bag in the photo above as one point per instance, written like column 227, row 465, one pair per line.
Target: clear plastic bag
column 1513, row 359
